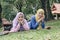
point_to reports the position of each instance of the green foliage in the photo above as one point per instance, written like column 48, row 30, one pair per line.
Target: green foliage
column 11, row 7
column 8, row 11
column 28, row 7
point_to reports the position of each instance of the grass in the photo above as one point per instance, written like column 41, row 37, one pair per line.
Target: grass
column 43, row 34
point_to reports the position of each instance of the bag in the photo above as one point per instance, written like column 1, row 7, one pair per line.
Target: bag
column 7, row 27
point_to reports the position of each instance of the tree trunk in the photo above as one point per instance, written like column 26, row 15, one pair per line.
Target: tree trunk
column 46, row 6
column 43, row 6
column 0, row 15
column 49, row 13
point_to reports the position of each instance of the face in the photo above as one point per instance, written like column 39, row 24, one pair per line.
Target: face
column 40, row 14
column 20, row 18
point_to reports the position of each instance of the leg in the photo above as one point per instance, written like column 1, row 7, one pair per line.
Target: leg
column 43, row 24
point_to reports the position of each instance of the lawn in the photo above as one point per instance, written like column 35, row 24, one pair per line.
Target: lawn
column 43, row 34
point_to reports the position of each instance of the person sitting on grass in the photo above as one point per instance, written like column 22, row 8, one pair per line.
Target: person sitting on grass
column 37, row 21
column 19, row 23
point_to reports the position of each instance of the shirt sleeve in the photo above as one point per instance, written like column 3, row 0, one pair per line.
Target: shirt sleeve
column 26, row 26
column 34, row 23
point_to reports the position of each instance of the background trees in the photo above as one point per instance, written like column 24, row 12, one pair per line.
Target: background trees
column 28, row 7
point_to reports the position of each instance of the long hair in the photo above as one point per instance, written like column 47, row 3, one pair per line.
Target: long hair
column 39, row 10
column 15, row 21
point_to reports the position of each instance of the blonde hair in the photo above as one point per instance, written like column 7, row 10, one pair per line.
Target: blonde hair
column 40, row 10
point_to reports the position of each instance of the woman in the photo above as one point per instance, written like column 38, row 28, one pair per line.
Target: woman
column 37, row 21
column 19, row 23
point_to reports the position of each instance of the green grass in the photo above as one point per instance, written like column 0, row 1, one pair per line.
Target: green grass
column 53, row 33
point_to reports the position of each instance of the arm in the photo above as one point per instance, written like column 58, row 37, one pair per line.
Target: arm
column 25, row 25
column 16, row 28
column 34, row 23
column 41, row 19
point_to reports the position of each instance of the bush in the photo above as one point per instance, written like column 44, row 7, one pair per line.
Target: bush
column 9, row 11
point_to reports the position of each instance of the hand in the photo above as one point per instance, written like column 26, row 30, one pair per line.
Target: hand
column 40, row 19
column 22, row 22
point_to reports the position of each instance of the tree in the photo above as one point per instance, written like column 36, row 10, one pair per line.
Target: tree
column 0, row 14
column 46, row 6
column 18, row 4
column 49, row 13
column 43, row 6
column 59, row 1
column 28, row 7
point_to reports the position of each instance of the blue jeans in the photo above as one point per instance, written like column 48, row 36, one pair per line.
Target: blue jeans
column 43, row 24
